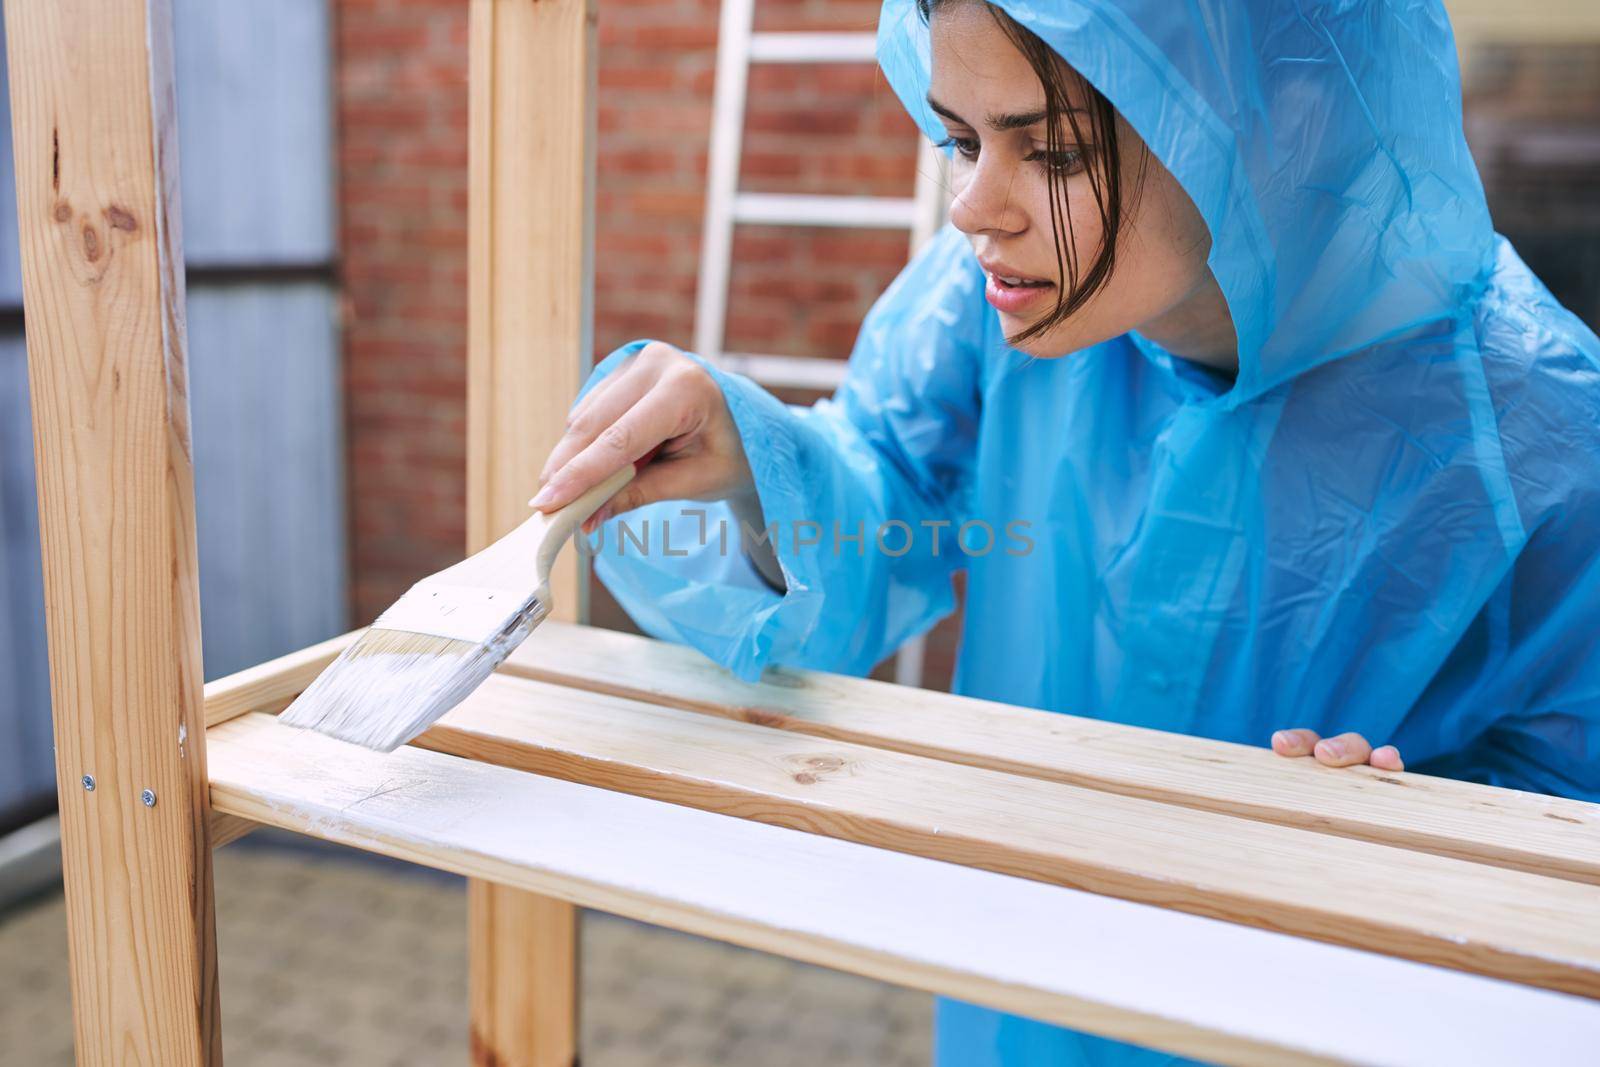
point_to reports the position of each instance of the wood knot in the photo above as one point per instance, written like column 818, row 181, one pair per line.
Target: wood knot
column 121, row 218
column 763, row 717
column 92, row 249
column 813, row 769
column 482, row 1053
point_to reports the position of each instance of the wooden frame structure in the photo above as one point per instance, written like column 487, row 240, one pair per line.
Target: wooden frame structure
column 1204, row 898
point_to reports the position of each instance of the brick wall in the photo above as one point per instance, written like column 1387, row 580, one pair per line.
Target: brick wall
column 1533, row 121
column 403, row 152
column 402, row 114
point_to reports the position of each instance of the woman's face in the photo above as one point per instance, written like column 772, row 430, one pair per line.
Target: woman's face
column 992, row 104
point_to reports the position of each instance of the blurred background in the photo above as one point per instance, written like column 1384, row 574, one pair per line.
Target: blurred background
column 324, row 154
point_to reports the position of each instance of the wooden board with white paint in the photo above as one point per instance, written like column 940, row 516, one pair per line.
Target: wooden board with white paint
column 1163, row 978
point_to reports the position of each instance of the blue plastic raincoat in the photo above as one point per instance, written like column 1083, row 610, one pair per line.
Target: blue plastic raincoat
column 1388, row 523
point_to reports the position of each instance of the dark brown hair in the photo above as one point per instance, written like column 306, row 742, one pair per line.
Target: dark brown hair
column 1103, row 163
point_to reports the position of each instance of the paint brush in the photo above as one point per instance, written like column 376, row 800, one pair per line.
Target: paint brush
column 439, row 641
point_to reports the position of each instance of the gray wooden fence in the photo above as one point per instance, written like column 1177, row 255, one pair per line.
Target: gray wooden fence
column 255, row 141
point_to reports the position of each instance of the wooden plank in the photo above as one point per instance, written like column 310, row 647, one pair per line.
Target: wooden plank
column 1478, row 23
column 266, row 687
column 1505, row 827
column 1509, row 924
column 226, row 829
column 530, row 274
column 1561, row 21
column 530, row 227
column 1179, row 982
column 96, row 144
column 523, row 985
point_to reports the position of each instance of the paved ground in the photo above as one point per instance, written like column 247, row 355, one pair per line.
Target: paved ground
column 336, row 959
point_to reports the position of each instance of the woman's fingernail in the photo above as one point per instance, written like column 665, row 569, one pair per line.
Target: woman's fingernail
column 543, row 496
column 1333, row 749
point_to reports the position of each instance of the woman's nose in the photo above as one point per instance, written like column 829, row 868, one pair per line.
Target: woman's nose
column 984, row 200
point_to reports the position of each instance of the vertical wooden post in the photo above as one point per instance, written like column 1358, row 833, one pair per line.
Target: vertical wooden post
column 97, row 199
column 530, row 276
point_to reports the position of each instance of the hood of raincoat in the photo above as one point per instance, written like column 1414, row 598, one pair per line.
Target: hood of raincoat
column 1320, row 181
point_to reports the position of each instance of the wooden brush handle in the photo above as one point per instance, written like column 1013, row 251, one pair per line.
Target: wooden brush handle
column 563, row 522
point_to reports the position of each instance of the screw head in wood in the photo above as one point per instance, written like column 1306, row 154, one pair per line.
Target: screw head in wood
column 88, row 783
column 149, row 798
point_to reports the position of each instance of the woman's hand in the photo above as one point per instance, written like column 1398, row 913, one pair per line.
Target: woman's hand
column 1346, row 750
column 658, row 396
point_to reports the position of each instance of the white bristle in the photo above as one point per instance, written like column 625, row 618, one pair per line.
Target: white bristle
column 391, row 685
column 439, row 641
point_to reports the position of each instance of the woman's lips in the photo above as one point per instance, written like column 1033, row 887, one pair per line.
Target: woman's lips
column 1014, row 299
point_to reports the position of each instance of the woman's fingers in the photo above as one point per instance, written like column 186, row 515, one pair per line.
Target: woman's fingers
column 646, row 424
column 639, row 372
column 661, row 398
column 1294, row 742
column 1343, row 751
column 1387, row 758
column 628, row 364
column 1346, row 750
column 667, row 478
column 604, row 405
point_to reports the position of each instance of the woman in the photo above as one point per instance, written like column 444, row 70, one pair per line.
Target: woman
column 1263, row 426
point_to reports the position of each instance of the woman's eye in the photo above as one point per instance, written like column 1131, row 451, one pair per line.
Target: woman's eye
column 1066, row 161
column 967, row 146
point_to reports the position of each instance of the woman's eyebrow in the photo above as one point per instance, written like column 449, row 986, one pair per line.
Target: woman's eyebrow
column 1015, row 121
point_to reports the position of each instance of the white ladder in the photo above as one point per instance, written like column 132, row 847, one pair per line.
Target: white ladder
column 920, row 214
